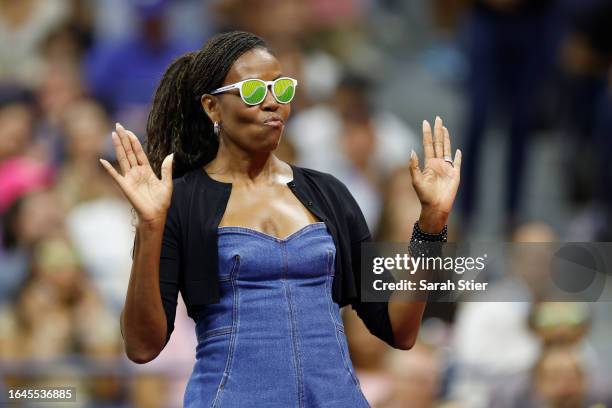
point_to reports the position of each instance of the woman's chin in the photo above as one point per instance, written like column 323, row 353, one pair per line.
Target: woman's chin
column 270, row 140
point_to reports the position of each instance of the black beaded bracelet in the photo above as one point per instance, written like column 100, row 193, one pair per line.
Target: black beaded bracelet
column 419, row 236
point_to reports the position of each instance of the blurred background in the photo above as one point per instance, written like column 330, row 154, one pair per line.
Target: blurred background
column 524, row 86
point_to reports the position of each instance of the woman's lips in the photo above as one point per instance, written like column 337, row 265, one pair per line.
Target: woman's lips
column 277, row 123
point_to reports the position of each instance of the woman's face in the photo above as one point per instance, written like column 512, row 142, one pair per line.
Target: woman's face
column 244, row 125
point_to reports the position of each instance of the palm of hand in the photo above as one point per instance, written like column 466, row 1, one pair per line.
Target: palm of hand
column 148, row 192
column 149, row 195
column 437, row 183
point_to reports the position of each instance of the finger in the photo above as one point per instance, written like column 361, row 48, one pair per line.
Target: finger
column 124, row 164
column 457, row 162
column 438, row 138
column 111, row 170
column 428, row 148
column 137, row 148
column 447, row 143
column 166, row 168
column 415, row 171
column 125, row 141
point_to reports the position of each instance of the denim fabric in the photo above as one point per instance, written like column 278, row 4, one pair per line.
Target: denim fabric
column 276, row 338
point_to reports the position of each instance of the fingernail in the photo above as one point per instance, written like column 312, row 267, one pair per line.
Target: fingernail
column 118, row 125
column 412, row 154
column 425, row 123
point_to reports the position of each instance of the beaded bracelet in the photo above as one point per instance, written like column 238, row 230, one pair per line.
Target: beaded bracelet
column 419, row 236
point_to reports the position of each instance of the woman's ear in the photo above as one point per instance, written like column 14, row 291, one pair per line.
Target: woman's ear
column 211, row 107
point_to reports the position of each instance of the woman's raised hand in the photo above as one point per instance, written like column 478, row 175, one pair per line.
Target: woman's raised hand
column 149, row 195
column 436, row 185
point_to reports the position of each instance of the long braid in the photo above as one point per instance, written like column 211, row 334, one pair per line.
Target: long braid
column 177, row 122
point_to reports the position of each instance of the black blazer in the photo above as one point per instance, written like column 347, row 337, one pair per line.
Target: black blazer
column 189, row 257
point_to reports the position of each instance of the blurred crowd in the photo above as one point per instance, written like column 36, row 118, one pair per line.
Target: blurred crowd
column 516, row 81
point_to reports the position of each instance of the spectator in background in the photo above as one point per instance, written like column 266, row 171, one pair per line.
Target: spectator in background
column 509, row 46
column 558, row 379
column 56, row 310
column 100, row 228
column 65, row 44
column 20, row 171
column 602, row 131
column 21, row 221
column 57, row 317
column 16, row 122
column 353, row 140
column 499, row 321
column 569, row 324
column 124, row 74
column 290, row 28
column 24, row 24
column 586, row 60
column 60, row 89
column 416, row 377
column 35, row 216
column 85, row 130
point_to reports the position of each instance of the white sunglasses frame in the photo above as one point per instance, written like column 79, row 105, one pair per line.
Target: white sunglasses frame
column 268, row 84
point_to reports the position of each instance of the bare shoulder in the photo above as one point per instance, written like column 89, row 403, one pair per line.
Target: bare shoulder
column 285, row 172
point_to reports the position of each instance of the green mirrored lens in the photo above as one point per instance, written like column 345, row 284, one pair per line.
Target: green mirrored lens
column 253, row 91
column 284, row 90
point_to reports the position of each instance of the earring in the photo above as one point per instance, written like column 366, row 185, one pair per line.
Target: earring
column 216, row 129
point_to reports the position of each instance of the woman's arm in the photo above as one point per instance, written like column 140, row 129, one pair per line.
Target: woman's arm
column 396, row 321
column 436, row 186
column 144, row 324
column 147, row 320
column 143, row 320
column 405, row 315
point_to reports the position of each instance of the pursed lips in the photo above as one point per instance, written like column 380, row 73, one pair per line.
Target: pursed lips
column 274, row 121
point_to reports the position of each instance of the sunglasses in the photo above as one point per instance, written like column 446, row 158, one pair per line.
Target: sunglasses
column 254, row 91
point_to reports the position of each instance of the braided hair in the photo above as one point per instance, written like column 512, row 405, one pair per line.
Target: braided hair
column 177, row 121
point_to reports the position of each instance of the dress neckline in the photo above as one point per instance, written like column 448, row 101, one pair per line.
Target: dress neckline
column 251, row 231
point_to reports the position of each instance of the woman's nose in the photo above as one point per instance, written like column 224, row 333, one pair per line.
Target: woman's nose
column 269, row 102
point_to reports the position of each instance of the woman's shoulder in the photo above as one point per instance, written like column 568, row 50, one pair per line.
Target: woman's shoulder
column 331, row 186
column 186, row 181
column 321, row 178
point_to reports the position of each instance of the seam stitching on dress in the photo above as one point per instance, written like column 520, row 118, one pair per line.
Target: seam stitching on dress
column 293, row 331
column 216, row 332
column 337, row 325
column 226, row 372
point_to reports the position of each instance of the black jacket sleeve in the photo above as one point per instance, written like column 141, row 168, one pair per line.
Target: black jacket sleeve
column 170, row 263
column 375, row 315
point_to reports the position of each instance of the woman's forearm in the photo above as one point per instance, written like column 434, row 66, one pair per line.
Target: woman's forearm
column 143, row 320
column 405, row 319
column 406, row 316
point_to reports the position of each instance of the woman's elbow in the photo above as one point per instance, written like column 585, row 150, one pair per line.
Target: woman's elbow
column 141, row 353
column 406, row 340
column 405, row 344
column 141, row 356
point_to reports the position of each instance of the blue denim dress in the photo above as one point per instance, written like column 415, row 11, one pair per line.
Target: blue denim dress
column 276, row 338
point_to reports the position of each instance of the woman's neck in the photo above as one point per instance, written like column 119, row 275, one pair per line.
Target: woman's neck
column 235, row 165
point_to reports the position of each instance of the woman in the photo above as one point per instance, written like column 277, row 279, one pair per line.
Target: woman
column 263, row 252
